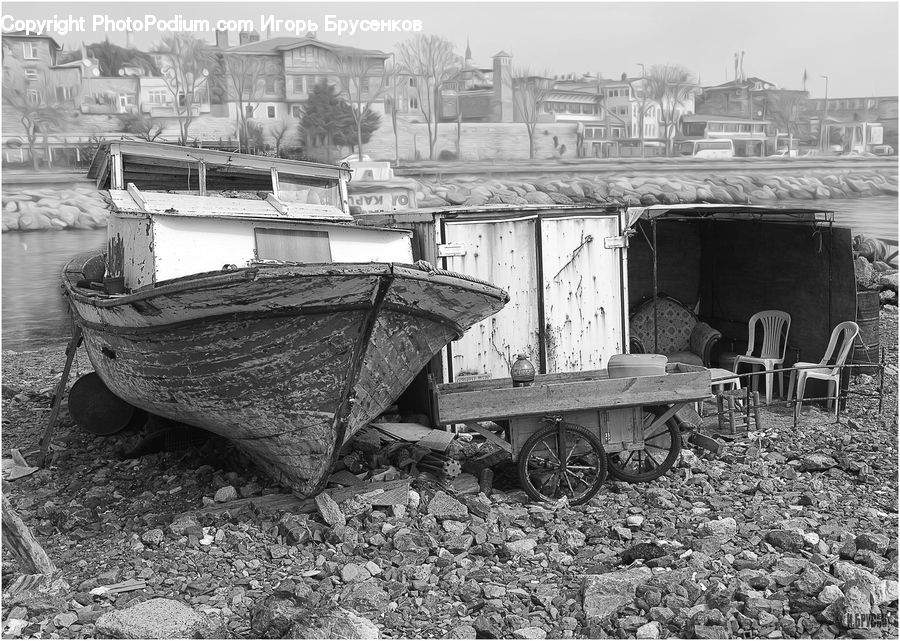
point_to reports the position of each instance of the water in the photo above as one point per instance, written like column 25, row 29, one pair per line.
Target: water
column 34, row 311
column 35, row 314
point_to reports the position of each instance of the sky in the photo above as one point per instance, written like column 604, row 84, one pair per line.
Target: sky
column 854, row 44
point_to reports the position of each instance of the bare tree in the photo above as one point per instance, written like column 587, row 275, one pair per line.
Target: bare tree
column 141, row 125
column 430, row 61
column 392, row 77
column 281, row 128
column 669, row 86
column 186, row 63
column 529, row 92
column 361, row 80
column 41, row 106
column 245, row 79
column 784, row 108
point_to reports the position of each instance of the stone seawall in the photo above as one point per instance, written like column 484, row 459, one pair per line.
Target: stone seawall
column 66, row 206
column 647, row 189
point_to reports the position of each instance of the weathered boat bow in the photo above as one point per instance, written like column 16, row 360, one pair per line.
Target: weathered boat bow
column 291, row 347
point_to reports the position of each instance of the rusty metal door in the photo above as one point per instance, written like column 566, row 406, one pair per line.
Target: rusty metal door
column 583, row 291
column 503, row 252
column 566, row 281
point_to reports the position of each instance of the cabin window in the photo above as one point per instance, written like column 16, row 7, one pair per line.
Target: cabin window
column 311, row 191
column 294, row 245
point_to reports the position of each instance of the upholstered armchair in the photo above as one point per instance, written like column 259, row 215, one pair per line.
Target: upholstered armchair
column 682, row 337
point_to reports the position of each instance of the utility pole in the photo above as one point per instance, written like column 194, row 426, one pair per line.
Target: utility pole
column 641, row 114
column 823, row 130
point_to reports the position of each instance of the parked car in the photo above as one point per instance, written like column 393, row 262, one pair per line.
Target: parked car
column 883, row 150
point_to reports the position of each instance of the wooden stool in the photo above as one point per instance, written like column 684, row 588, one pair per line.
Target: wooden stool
column 727, row 381
column 730, row 402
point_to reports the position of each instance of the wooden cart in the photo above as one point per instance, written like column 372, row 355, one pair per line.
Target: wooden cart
column 567, row 430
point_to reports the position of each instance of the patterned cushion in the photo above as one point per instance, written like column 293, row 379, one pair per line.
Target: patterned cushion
column 675, row 323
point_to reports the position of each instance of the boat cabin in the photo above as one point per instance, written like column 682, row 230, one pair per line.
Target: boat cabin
column 178, row 211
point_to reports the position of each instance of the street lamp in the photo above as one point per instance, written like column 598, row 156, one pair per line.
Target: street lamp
column 641, row 115
column 823, row 139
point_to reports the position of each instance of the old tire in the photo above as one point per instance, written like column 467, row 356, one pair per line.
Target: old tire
column 95, row 409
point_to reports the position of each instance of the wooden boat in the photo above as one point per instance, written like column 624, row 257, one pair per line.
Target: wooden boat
column 281, row 325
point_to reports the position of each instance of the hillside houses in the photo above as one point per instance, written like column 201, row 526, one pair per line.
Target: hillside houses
column 578, row 116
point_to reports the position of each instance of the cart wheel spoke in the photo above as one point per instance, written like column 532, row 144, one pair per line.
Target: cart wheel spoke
column 659, row 453
column 550, row 450
column 650, row 458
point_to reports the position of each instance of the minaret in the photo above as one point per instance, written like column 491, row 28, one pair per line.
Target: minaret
column 468, row 59
column 503, row 89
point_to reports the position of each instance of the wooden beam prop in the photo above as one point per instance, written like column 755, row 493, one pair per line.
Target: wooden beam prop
column 60, row 390
column 19, row 540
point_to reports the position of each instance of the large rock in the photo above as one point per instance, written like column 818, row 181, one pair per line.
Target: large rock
column 723, row 529
column 604, row 594
column 330, row 510
column 286, row 618
column 336, row 624
column 444, row 506
column 847, row 571
column 158, row 619
column 866, row 278
column 787, row 540
column 816, row 462
column 538, row 198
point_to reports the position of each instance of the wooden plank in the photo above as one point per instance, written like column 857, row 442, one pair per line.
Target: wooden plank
column 377, row 493
column 277, row 204
column 539, row 400
column 489, row 435
column 540, row 379
column 18, row 539
column 345, row 478
column 136, row 195
column 437, row 440
column 410, row 432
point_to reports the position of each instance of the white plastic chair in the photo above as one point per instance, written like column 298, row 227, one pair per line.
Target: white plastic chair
column 776, row 326
column 824, row 371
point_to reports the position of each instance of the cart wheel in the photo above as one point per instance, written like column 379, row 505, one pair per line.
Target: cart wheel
column 540, row 471
column 660, row 451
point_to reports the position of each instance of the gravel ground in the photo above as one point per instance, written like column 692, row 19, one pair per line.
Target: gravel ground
column 787, row 533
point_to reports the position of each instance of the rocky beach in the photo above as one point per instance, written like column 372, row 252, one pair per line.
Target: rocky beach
column 786, row 533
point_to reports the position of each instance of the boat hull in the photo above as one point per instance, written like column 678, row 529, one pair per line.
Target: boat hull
column 286, row 361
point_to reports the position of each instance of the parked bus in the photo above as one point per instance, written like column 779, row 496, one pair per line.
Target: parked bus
column 707, row 148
